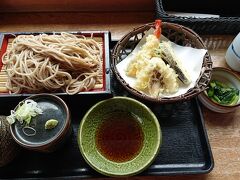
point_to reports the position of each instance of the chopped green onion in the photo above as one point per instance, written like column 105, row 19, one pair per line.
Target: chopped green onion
column 24, row 112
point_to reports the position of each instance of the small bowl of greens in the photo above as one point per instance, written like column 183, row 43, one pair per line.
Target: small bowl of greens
column 223, row 92
column 40, row 122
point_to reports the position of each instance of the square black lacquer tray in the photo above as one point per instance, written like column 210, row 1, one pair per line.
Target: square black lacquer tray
column 185, row 148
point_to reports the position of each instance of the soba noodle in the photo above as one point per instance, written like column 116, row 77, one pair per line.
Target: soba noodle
column 52, row 62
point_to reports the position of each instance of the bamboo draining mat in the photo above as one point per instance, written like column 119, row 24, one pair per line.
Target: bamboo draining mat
column 3, row 80
column 3, row 72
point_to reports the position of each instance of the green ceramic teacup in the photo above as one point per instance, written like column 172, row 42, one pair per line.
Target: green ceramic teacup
column 100, row 133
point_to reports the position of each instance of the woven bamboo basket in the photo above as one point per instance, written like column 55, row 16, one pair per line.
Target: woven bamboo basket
column 176, row 33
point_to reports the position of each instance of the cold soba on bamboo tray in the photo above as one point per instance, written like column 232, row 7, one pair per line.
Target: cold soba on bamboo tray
column 93, row 76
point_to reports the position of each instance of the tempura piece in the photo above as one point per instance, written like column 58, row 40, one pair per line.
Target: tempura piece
column 157, row 78
column 166, row 52
column 142, row 57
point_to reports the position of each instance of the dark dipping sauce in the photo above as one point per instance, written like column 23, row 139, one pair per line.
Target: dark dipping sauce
column 119, row 137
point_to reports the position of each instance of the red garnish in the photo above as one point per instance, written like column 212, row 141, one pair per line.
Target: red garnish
column 158, row 29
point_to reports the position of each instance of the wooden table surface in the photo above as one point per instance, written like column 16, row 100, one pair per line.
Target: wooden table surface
column 223, row 129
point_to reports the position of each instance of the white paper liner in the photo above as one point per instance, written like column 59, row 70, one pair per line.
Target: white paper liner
column 191, row 59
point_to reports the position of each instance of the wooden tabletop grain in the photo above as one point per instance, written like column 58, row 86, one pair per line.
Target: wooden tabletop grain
column 223, row 129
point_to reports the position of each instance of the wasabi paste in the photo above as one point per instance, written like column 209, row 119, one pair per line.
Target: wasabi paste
column 51, row 123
